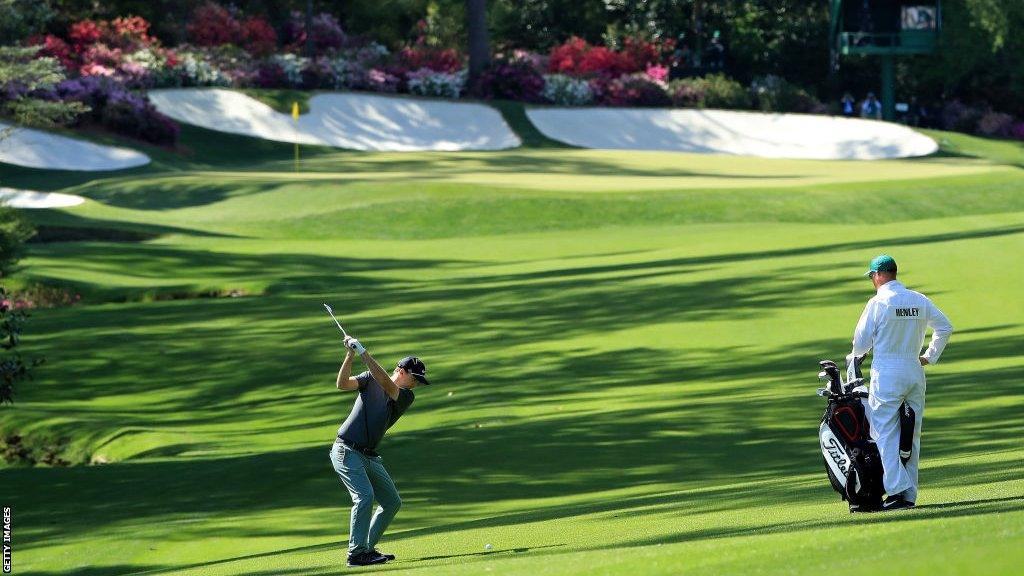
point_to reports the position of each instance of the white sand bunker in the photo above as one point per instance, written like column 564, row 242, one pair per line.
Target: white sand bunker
column 37, row 149
column 344, row 120
column 29, row 199
column 728, row 132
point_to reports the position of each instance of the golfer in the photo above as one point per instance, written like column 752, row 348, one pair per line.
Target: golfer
column 381, row 402
column 893, row 325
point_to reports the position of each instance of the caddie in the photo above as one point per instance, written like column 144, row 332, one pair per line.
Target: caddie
column 893, row 328
column 382, row 400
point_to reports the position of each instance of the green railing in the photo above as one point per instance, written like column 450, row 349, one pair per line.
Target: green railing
column 904, row 42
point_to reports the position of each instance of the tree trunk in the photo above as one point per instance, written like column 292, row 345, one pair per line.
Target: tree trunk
column 479, row 48
column 309, row 28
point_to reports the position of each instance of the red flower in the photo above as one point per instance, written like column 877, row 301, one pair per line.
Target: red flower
column 212, row 25
column 601, row 61
column 639, row 54
column 54, row 47
column 565, row 59
column 85, row 32
column 129, row 33
column 172, row 58
column 437, row 60
column 258, row 36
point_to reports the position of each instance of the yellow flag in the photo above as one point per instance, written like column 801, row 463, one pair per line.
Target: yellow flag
column 295, row 111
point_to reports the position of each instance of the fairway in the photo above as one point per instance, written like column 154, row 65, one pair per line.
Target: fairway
column 624, row 346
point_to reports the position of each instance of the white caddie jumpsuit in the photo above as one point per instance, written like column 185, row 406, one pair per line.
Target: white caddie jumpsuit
column 893, row 325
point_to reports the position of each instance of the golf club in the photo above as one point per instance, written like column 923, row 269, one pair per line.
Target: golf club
column 331, row 312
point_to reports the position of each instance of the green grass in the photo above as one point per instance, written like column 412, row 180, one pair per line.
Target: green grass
column 625, row 347
column 281, row 100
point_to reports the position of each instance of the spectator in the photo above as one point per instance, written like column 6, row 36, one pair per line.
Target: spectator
column 871, row 108
column 716, row 53
column 847, row 105
column 917, row 114
column 682, row 59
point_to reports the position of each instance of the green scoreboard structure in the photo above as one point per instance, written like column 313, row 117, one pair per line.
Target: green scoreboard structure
column 887, row 29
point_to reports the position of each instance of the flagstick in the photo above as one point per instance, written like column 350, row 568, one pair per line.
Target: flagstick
column 295, row 116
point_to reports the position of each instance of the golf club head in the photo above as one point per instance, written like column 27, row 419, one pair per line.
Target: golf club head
column 830, row 371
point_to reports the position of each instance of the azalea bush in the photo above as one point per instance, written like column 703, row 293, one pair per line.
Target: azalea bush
column 960, row 117
column 512, row 81
column 191, row 67
column 1017, row 131
column 326, row 31
column 427, row 82
column 291, row 67
column 636, row 89
column 566, row 90
column 534, row 60
column 215, row 25
column 995, row 124
column 417, row 58
column 576, row 57
column 120, row 48
column 114, row 107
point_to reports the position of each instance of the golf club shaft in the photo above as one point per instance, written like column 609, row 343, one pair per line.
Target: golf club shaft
column 331, row 312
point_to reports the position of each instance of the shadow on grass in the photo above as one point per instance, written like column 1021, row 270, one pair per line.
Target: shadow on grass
column 713, row 436
column 698, row 428
column 1000, row 505
column 61, row 226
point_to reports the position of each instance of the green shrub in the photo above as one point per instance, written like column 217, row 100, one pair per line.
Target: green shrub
column 774, row 94
column 687, row 92
column 720, row 91
column 14, row 231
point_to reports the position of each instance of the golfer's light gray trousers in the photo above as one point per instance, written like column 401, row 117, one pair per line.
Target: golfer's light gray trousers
column 366, row 479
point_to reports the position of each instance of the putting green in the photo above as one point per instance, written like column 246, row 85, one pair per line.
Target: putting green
column 625, row 347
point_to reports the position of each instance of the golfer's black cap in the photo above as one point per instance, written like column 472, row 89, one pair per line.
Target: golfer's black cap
column 416, row 367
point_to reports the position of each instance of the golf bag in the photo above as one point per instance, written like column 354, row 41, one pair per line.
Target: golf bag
column 852, row 461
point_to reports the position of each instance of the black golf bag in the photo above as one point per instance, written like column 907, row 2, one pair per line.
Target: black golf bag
column 852, row 461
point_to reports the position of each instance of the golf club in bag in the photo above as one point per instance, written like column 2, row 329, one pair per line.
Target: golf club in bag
column 852, row 461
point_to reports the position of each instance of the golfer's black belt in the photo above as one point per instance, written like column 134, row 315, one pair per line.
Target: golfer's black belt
column 370, row 452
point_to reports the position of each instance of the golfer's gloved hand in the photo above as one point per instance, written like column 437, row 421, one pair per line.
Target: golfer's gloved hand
column 354, row 345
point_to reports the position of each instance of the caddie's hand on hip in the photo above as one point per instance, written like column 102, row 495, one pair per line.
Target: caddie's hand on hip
column 924, row 361
column 354, row 345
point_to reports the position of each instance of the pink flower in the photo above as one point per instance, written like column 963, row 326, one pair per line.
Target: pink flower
column 92, row 69
column 658, row 72
column 133, row 69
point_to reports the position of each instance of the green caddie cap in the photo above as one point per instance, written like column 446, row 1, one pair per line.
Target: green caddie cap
column 882, row 263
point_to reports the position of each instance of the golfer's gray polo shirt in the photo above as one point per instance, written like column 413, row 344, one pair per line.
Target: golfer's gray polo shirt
column 373, row 413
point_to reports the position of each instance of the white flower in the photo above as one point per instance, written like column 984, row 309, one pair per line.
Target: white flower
column 427, row 82
column 566, row 91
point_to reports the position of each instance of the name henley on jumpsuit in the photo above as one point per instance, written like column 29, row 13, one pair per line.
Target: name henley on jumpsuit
column 894, row 324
